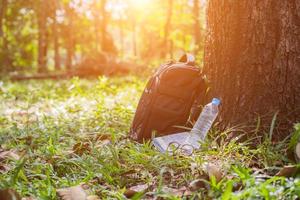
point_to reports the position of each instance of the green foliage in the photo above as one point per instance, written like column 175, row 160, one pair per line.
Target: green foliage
column 57, row 128
column 18, row 42
column 295, row 136
column 135, row 30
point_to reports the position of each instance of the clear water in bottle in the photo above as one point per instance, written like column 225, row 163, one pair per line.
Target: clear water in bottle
column 204, row 123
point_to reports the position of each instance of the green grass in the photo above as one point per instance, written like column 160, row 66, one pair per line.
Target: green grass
column 56, row 128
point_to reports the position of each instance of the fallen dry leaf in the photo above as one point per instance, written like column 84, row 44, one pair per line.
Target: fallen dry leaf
column 102, row 143
column 4, row 167
column 30, row 140
column 29, row 198
column 9, row 194
column 130, row 192
column 9, row 154
column 174, row 191
column 102, row 140
column 72, row 193
column 103, row 137
column 167, row 175
column 213, row 170
column 93, row 197
column 198, row 183
column 5, row 155
column 287, row 171
column 81, row 148
column 237, row 186
column 131, row 171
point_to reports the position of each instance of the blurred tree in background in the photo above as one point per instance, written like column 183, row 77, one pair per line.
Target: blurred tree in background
column 56, row 35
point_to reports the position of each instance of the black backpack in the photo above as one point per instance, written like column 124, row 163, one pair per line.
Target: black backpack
column 167, row 100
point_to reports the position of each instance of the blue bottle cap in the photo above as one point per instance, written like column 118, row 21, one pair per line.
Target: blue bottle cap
column 216, row 101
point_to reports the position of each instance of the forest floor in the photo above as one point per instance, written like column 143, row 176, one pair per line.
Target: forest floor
column 59, row 134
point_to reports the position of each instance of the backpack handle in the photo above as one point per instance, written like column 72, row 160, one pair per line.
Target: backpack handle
column 188, row 59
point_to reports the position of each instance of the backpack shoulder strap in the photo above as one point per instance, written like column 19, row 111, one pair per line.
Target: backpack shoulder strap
column 200, row 99
column 188, row 59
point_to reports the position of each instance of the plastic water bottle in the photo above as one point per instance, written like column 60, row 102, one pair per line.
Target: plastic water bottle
column 204, row 123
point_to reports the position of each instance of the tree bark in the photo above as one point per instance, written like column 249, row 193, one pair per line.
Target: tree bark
column 252, row 59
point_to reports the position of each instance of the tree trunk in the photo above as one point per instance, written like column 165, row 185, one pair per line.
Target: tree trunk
column 42, row 37
column 133, row 37
column 165, row 46
column 197, row 28
column 6, row 62
column 70, row 39
column 56, row 37
column 2, row 15
column 252, row 59
column 104, row 46
column 97, row 26
column 121, row 33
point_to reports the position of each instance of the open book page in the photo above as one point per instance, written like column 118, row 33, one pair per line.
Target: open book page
column 180, row 139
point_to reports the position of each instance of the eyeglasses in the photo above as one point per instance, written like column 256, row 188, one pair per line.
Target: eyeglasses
column 175, row 147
